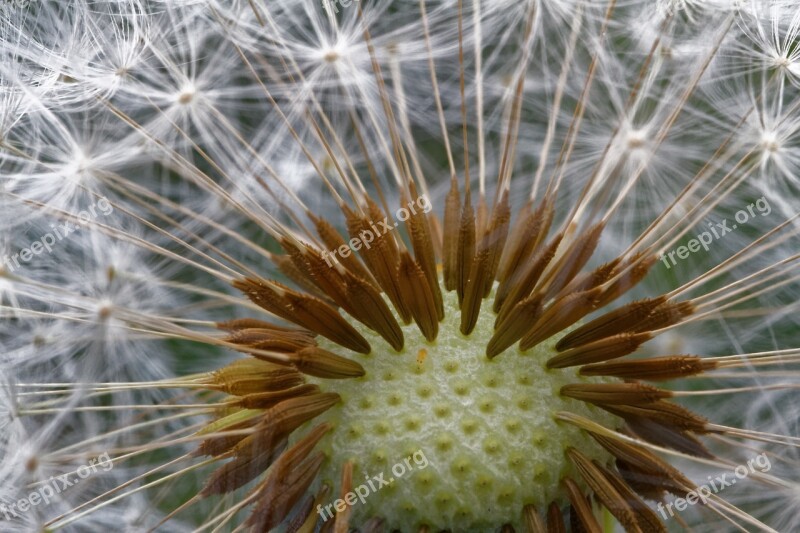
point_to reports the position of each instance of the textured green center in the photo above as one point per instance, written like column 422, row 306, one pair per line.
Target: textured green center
column 483, row 432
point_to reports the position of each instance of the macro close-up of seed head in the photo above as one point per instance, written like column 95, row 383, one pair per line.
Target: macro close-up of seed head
column 332, row 266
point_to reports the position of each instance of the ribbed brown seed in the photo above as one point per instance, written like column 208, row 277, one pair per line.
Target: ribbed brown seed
column 320, row 498
column 251, row 376
column 301, row 516
column 473, row 292
column 419, row 232
column 647, row 484
column 604, row 491
column 255, row 453
column 574, row 259
column 497, row 239
column 376, row 213
column 417, row 293
column 437, row 237
column 325, row 527
column 334, row 240
column 248, row 323
column 304, row 310
column 600, row 350
column 514, row 326
column 660, row 474
column 355, row 295
column 527, row 236
column 507, row 528
column 465, row 253
column 646, row 519
column 667, row 314
column 652, row 484
column 374, row 311
column 612, row 323
column 582, row 508
column 662, row 412
column 389, row 250
column 533, row 522
column 575, row 524
column 484, row 265
column 561, row 314
column 249, row 462
column 320, row 363
column 256, row 336
column 652, row 369
column 289, row 414
column 315, row 268
column 615, row 393
column 325, row 320
column 265, row 400
column 481, row 215
column 269, row 340
column 452, row 217
column 590, row 280
column 381, row 255
column 521, row 284
column 342, row 522
column 290, row 270
column 271, row 345
column 638, row 317
column 216, row 446
column 555, row 522
column 287, row 481
column 629, row 280
column 343, row 287
column 520, row 242
column 668, row 436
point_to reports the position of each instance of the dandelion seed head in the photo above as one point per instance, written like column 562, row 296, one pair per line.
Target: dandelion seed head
column 769, row 142
column 80, row 168
column 636, row 138
column 186, row 95
column 524, row 332
column 8, row 410
column 334, row 53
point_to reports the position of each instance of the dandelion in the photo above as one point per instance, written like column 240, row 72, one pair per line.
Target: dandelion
column 345, row 239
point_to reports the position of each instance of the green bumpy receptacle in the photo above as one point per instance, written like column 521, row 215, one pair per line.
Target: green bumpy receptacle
column 484, row 428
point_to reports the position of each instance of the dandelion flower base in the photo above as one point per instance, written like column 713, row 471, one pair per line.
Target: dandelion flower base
column 484, row 426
